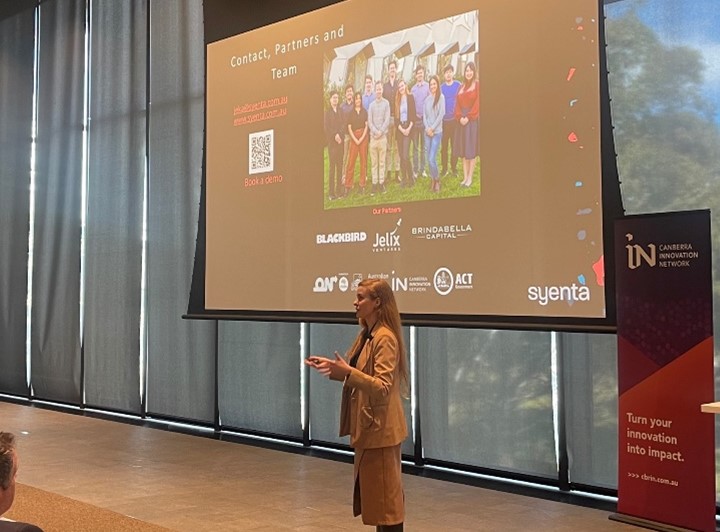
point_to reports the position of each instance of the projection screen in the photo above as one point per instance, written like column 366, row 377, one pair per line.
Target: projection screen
column 291, row 229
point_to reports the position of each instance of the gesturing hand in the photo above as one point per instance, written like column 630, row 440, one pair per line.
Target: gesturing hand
column 336, row 369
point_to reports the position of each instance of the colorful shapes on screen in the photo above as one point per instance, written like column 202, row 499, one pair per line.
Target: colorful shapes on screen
column 599, row 269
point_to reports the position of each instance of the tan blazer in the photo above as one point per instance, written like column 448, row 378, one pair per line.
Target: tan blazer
column 371, row 412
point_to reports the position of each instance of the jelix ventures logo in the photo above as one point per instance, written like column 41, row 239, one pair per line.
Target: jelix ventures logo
column 389, row 241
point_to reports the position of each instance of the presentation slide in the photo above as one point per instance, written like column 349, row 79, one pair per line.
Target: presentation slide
column 451, row 148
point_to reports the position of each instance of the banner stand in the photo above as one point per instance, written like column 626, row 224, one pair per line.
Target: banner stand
column 646, row 523
column 664, row 299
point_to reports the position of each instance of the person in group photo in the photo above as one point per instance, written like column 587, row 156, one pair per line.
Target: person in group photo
column 448, row 151
column 392, row 164
column 433, row 129
column 420, row 91
column 358, row 129
column 374, row 373
column 467, row 113
column 405, row 118
column 345, row 108
column 368, row 94
column 334, row 125
column 378, row 123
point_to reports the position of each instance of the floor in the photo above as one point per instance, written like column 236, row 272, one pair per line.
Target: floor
column 186, row 482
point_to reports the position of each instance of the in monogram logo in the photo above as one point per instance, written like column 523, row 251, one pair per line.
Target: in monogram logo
column 636, row 254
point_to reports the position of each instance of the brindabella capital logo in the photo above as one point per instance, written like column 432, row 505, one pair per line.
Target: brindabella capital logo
column 636, row 254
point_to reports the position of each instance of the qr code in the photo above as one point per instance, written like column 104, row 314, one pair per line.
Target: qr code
column 261, row 151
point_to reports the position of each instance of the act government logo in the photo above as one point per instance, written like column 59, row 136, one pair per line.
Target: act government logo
column 445, row 281
column 441, row 232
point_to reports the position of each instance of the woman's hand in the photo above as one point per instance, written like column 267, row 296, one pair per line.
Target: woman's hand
column 341, row 368
column 336, row 369
column 464, row 120
column 315, row 361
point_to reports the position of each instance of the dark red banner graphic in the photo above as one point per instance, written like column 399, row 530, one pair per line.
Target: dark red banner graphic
column 666, row 455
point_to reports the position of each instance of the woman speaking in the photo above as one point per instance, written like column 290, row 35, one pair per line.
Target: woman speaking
column 373, row 376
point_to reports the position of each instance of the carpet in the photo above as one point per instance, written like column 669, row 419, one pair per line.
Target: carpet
column 55, row 513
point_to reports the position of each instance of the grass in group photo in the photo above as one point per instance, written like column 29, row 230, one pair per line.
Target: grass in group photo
column 450, row 187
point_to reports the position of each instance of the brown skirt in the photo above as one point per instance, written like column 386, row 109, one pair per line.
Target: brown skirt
column 378, row 493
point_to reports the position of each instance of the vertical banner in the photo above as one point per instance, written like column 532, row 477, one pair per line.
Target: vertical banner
column 666, row 462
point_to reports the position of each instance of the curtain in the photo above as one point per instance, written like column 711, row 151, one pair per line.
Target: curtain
column 55, row 337
column 16, row 70
column 589, row 375
column 259, row 377
column 116, row 174
column 324, row 395
column 486, row 399
column 181, row 354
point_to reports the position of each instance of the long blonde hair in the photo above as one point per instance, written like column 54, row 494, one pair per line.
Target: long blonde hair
column 388, row 316
column 399, row 97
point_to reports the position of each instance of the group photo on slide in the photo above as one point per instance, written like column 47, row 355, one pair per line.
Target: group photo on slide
column 401, row 116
